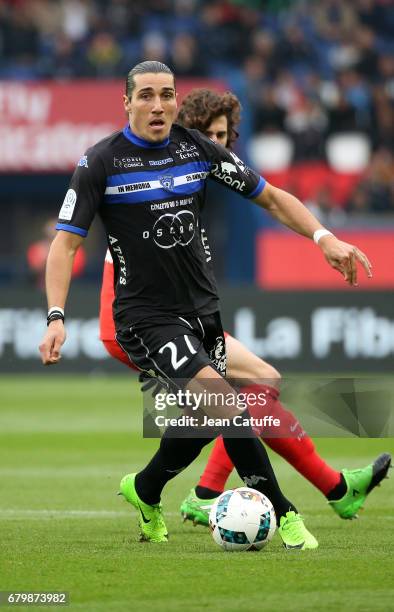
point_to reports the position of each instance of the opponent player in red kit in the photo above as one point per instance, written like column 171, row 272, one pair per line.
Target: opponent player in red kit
column 217, row 115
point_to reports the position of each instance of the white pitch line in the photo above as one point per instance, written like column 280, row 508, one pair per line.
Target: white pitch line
column 115, row 469
column 66, row 514
column 44, row 514
column 61, row 472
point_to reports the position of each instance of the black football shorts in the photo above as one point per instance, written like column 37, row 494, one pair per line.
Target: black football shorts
column 176, row 348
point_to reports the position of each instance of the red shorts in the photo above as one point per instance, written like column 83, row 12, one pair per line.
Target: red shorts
column 107, row 326
column 115, row 351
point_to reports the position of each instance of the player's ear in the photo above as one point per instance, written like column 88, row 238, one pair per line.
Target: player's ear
column 127, row 104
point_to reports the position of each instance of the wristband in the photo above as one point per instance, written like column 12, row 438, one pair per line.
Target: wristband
column 54, row 317
column 55, row 309
column 320, row 233
column 54, row 314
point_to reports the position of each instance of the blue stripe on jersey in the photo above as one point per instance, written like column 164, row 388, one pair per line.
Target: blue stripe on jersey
column 260, row 186
column 155, row 175
column 148, row 195
column 72, row 229
column 141, row 142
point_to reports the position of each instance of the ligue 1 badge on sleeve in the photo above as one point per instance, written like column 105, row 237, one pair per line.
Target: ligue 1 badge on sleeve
column 67, row 209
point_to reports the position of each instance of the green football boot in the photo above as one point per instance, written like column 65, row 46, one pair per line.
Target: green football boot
column 151, row 522
column 359, row 484
column 294, row 534
column 195, row 509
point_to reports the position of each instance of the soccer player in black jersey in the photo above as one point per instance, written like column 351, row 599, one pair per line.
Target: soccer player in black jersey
column 147, row 183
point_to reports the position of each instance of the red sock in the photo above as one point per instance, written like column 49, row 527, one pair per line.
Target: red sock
column 298, row 449
column 218, row 468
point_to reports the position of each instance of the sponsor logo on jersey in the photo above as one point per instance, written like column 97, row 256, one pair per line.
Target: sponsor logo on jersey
column 128, row 162
column 224, row 175
column 187, row 150
column 167, row 182
column 160, row 162
column 122, row 262
column 239, row 163
column 67, row 209
column 205, row 244
column 83, row 162
column 172, row 228
column 228, row 168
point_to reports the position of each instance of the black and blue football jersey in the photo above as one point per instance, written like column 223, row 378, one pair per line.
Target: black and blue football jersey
column 150, row 197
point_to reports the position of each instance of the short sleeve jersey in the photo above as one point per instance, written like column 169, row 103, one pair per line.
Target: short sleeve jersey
column 150, row 198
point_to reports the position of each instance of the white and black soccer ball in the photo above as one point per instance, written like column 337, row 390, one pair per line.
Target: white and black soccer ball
column 242, row 519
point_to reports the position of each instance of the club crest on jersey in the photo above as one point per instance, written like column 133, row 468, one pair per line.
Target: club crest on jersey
column 83, row 162
column 167, row 182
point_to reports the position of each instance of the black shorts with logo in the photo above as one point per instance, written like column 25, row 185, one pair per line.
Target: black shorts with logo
column 176, row 348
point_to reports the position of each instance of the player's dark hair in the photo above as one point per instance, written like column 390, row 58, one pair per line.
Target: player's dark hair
column 202, row 106
column 144, row 68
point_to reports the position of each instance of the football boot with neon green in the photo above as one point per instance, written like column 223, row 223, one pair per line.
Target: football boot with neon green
column 359, row 484
column 195, row 509
column 294, row 534
column 151, row 522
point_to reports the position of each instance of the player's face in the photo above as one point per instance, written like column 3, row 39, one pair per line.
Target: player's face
column 218, row 130
column 152, row 106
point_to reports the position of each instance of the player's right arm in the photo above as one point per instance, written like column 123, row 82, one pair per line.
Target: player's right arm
column 58, row 276
column 79, row 207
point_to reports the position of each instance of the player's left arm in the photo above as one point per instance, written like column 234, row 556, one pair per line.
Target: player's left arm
column 289, row 211
column 230, row 171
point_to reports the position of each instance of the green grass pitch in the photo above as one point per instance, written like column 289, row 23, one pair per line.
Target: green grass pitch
column 66, row 441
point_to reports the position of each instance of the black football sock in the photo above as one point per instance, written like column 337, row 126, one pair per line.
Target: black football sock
column 205, row 493
column 254, row 468
column 173, row 456
column 338, row 491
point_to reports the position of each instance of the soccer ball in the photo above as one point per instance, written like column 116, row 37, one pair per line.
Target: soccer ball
column 242, row 519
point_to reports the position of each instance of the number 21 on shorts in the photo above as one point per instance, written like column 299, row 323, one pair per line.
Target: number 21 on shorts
column 179, row 354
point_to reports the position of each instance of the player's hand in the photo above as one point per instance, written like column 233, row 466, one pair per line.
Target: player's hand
column 52, row 342
column 344, row 257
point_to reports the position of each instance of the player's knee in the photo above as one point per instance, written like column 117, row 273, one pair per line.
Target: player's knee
column 263, row 371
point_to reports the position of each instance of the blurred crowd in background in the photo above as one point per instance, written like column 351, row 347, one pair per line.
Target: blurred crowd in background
column 307, row 68
column 315, row 79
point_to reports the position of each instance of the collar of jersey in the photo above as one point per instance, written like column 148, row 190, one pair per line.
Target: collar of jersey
column 140, row 142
